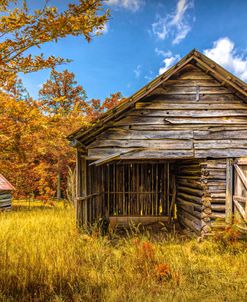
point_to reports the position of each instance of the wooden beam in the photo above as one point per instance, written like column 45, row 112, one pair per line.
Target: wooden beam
column 241, row 209
column 78, row 188
column 241, row 175
column 221, row 77
column 84, row 190
column 229, row 190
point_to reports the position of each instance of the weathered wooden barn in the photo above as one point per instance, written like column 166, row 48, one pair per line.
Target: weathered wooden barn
column 177, row 147
column 6, row 190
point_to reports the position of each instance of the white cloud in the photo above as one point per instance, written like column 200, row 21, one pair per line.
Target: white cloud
column 168, row 59
column 149, row 76
column 176, row 24
column 159, row 28
column 182, row 7
column 105, row 28
column 182, row 32
column 224, row 53
column 163, row 53
column 133, row 5
column 168, row 62
column 137, row 71
column 102, row 31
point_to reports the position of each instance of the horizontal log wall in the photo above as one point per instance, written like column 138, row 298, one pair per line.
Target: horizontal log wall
column 190, row 115
column 201, row 195
column 5, row 200
column 190, row 201
column 214, row 182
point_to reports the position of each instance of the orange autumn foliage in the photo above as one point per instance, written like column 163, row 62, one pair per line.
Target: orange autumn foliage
column 33, row 144
column 34, row 148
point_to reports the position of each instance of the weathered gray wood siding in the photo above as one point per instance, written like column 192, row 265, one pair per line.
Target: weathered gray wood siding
column 191, row 115
column 5, row 200
column 214, row 183
column 201, row 194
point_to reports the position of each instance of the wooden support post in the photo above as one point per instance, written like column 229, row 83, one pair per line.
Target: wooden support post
column 84, row 190
column 81, row 211
column 229, row 190
column 59, row 193
column 78, row 188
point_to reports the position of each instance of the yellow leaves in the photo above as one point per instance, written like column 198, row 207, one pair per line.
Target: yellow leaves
column 21, row 30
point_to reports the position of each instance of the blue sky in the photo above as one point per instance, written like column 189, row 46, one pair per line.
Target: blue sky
column 144, row 38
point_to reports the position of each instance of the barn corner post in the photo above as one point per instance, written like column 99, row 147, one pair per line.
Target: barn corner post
column 80, row 202
column 229, row 191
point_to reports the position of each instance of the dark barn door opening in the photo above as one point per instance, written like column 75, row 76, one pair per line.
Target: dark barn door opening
column 129, row 189
column 137, row 189
column 148, row 191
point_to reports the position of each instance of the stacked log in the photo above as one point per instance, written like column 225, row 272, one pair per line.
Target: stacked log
column 5, row 200
column 214, row 183
column 192, row 206
column 201, row 195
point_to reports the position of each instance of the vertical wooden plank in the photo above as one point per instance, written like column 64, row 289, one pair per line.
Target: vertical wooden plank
column 152, row 188
column 90, row 200
column 160, row 188
column 168, row 189
column 78, row 203
column 136, row 208
column 108, row 189
column 123, row 203
column 134, row 197
column 84, row 189
column 130, row 188
column 103, row 203
column 238, row 190
column 229, row 190
column 114, row 189
column 165, row 189
column 117, row 190
column 141, row 190
column 156, row 189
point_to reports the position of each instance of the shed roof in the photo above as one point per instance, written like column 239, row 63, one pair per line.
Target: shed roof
column 5, row 185
column 226, row 78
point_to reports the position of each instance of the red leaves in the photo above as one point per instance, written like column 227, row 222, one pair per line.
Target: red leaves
column 95, row 109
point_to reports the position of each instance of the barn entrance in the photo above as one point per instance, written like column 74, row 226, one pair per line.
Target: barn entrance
column 140, row 192
column 145, row 192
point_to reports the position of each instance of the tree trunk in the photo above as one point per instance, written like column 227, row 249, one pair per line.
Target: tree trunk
column 59, row 195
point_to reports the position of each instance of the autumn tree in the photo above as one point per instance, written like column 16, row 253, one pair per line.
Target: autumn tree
column 61, row 94
column 21, row 29
column 62, row 101
column 96, row 108
column 21, row 126
column 28, row 146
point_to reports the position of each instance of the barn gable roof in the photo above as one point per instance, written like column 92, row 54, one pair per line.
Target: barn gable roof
column 5, row 185
column 194, row 57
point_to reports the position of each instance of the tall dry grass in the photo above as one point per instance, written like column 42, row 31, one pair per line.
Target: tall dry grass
column 43, row 257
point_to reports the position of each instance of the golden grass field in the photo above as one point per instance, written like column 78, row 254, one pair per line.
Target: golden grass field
column 43, row 257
